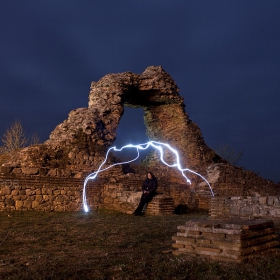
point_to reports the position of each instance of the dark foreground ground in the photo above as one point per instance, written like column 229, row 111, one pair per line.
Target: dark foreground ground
column 108, row 245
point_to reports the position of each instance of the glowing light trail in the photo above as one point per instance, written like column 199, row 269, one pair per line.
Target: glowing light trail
column 157, row 145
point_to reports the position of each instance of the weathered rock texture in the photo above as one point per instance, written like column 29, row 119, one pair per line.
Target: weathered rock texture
column 78, row 145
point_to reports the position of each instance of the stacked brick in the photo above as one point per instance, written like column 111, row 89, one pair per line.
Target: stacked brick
column 160, row 204
column 226, row 240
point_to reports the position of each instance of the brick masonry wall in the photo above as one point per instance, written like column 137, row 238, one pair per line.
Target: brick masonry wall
column 56, row 189
column 247, row 207
column 40, row 193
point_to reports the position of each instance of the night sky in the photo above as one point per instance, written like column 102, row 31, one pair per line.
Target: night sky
column 223, row 55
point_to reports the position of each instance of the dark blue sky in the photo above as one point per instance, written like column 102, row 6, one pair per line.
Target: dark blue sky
column 223, row 55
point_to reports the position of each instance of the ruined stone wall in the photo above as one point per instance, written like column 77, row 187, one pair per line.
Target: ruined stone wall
column 228, row 180
column 78, row 145
column 123, row 191
column 83, row 138
column 57, row 190
column 245, row 207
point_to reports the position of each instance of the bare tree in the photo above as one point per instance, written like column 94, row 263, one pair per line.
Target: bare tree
column 35, row 139
column 228, row 153
column 14, row 138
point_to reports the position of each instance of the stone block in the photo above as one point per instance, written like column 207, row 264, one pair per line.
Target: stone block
column 43, row 171
column 30, row 197
column 183, row 240
column 112, row 180
column 231, row 246
column 14, row 192
column 255, row 200
column 30, row 170
column 59, row 208
column 246, row 210
column 229, row 202
column 208, row 250
column 200, row 242
column 66, row 172
column 79, row 175
column 72, row 206
column 276, row 201
column 178, row 245
column 18, row 204
column 187, row 248
column 194, row 232
column 256, row 210
column 16, row 171
column 122, row 199
column 263, row 199
column 9, row 202
column 235, row 210
column 270, row 200
column 5, row 191
column 39, row 198
column 53, row 173
column 264, row 211
column 211, row 235
column 29, row 192
column 38, row 191
column 6, row 169
column 49, row 191
column 35, row 204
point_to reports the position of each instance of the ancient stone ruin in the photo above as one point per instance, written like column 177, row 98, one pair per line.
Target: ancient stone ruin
column 234, row 240
column 50, row 176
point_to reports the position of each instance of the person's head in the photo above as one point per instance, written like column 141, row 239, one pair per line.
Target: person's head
column 150, row 175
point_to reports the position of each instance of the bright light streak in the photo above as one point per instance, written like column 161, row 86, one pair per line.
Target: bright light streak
column 158, row 146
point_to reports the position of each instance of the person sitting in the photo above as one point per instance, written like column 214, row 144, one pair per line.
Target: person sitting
column 149, row 188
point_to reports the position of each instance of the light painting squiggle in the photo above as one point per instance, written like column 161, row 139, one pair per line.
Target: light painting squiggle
column 157, row 145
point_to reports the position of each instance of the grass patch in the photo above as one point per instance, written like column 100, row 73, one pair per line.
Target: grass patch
column 108, row 245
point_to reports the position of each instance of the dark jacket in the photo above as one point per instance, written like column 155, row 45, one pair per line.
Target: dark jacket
column 150, row 185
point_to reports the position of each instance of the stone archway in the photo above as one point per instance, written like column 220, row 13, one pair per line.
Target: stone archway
column 164, row 115
column 164, row 111
column 79, row 143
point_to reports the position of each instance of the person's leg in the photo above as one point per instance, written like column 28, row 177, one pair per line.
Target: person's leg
column 145, row 199
column 140, row 207
column 150, row 197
